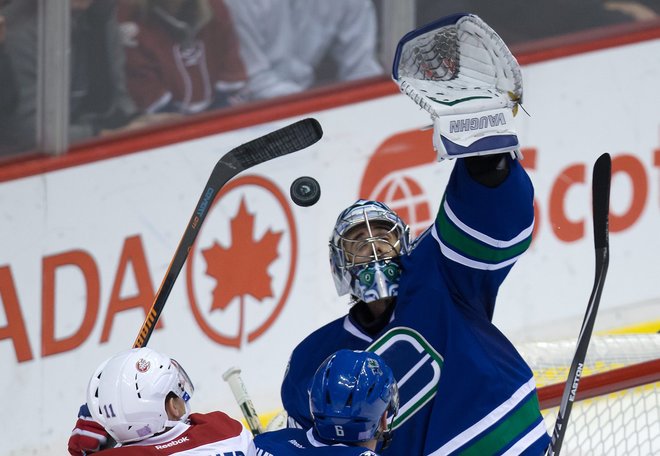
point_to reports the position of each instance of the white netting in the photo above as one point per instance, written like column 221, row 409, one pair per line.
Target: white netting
column 617, row 422
column 625, row 423
column 432, row 56
column 550, row 361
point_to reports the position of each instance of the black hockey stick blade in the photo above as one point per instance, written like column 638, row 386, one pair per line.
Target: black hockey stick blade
column 286, row 140
column 601, row 200
column 600, row 194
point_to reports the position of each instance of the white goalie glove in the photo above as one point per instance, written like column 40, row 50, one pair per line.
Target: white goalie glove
column 460, row 71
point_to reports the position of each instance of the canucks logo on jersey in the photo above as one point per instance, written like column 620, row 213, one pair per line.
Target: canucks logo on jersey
column 417, row 375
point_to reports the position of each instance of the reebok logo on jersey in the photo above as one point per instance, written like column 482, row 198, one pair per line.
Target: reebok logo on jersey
column 295, row 444
column 476, row 123
column 172, row 443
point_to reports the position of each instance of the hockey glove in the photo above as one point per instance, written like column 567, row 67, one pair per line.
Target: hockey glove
column 461, row 72
column 88, row 436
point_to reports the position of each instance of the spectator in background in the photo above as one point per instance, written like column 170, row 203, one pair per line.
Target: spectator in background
column 291, row 45
column 99, row 101
column 182, row 55
column 8, row 90
column 640, row 10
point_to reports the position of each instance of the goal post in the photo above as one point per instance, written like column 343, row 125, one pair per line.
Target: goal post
column 646, row 375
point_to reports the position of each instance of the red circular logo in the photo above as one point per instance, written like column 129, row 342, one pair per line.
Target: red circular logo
column 241, row 268
column 405, row 197
column 142, row 365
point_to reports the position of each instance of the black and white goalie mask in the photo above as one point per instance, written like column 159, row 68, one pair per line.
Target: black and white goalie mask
column 364, row 250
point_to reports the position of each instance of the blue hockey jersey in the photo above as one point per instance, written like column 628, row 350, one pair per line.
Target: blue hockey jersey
column 292, row 442
column 463, row 387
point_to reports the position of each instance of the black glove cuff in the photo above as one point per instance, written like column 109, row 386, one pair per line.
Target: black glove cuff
column 489, row 170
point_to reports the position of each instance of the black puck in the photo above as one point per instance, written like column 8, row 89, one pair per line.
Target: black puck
column 305, row 191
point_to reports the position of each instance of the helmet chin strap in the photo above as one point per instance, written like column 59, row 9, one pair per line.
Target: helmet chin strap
column 384, row 435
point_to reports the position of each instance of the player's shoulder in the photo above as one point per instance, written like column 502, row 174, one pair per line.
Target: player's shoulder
column 218, row 423
column 282, row 441
column 340, row 450
column 130, row 450
column 320, row 336
column 281, row 434
column 120, row 451
column 354, row 451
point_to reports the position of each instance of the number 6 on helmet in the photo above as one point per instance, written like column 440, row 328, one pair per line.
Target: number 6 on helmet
column 350, row 394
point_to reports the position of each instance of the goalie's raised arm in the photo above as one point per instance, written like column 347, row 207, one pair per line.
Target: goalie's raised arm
column 460, row 71
column 425, row 305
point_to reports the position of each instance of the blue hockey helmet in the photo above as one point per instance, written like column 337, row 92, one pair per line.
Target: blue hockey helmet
column 350, row 392
column 365, row 244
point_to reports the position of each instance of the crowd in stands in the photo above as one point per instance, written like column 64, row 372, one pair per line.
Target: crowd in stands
column 138, row 62
column 8, row 91
column 135, row 63
column 520, row 21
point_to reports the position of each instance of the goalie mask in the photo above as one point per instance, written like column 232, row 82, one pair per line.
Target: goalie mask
column 350, row 392
column 127, row 393
column 364, row 250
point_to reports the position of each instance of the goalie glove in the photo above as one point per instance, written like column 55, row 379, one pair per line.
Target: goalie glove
column 88, row 436
column 460, row 71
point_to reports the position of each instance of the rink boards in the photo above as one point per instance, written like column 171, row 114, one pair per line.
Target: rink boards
column 85, row 247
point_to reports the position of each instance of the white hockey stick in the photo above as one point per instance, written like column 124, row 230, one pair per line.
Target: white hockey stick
column 233, row 377
column 602, row 174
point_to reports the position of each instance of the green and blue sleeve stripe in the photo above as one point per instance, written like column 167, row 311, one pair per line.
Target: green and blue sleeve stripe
column 510, row 428
column 474, row 249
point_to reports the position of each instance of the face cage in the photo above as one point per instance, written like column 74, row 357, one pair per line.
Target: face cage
column 379, row 246
column 185, row 388
column 373, row 215
column 349, row 273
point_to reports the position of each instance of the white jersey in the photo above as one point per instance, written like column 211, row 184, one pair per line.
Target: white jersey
column 283, row 41
column 202, row 435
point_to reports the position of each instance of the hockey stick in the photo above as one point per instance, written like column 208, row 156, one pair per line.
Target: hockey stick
column 291, row 138
column 602, row 174
column 233, row 377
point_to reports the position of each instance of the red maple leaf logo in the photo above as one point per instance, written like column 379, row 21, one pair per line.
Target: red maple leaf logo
column 242, row 268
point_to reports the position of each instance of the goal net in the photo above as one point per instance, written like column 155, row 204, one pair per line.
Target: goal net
column 617, row 408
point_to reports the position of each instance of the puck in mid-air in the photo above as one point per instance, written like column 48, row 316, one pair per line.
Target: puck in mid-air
column 305, row 191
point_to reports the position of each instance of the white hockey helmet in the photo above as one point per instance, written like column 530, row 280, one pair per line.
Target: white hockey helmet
column 127, row 393
column 368, row 266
